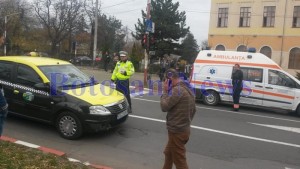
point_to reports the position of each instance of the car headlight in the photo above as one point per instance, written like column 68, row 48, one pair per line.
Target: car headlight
column 99, row 110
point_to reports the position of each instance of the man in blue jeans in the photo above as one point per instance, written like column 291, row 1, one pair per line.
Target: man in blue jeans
column 3, row 110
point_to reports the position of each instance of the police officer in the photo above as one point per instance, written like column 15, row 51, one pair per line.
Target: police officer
column 124, row 69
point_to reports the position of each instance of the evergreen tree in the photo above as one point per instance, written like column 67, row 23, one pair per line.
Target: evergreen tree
column 189, row 48
column 170, row 26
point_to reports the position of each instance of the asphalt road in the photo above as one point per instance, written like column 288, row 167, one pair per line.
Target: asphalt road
column 220, row 139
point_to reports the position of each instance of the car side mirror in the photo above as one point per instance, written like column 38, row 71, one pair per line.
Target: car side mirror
column 42, row 86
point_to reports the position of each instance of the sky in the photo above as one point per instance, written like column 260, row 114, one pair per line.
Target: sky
column 129, row 11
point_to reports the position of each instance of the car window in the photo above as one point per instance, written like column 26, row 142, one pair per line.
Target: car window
column 6, row 71
column 252, row 74
column 280, row 79
column 64, row 75
column 27, row 76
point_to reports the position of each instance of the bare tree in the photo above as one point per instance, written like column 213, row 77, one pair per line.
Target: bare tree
column 59, row 17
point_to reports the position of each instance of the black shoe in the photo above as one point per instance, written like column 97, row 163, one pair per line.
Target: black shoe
column 130, row 111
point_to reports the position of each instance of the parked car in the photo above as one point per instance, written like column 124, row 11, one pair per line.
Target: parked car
column 265, row 83
column 82, row 61
column 55, row 91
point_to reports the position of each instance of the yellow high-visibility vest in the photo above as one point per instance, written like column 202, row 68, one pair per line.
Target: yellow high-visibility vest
column 121, row 67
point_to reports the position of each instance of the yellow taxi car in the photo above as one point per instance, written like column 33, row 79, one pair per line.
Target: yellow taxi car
column 56, row 92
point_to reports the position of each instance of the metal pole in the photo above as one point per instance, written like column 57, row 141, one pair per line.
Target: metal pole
column 147, row 48
column 283, row 34
column 5, row 22
column 95, row 34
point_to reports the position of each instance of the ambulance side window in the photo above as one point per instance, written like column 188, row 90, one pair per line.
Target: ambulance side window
column 252, row 74
column 280, row 79
column 27, row 76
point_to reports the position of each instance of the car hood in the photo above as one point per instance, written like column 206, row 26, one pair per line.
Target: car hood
column 96, row 94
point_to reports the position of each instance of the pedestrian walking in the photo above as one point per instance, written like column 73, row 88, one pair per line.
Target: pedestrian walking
column 237, row 86
column 114, row 61
column 106, row 61
column 3, row 110
column 179, row 103
column 123, row 71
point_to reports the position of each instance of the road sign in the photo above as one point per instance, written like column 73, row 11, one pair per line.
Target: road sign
column 151, row 52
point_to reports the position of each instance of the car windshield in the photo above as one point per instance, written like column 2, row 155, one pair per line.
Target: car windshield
column 65, row 75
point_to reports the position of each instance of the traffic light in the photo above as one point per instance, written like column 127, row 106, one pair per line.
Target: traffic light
column 152, row 41
column 144, row 41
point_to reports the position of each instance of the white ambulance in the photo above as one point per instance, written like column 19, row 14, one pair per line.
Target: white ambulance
column 265, row 83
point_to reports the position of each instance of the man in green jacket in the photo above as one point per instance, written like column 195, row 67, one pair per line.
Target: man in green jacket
column 123, row 71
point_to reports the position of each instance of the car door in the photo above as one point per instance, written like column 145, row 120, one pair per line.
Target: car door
column 279, row 90
column 31, row 102
column 253, row 85
column 6, row 74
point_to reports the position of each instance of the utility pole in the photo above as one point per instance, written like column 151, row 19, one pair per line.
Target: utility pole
column 147, row 45
column 95, row 33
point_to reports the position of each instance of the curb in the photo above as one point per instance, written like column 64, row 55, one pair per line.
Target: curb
column 51, row 151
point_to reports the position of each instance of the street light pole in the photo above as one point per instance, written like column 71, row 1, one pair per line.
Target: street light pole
column 5, row 30
column 5, row 22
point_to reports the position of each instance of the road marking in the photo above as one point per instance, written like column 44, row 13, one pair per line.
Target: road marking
column 224, row 132
column 291, row 129
column 227, row 111
column 134, row 94
column 248, row 114
column 27, row 144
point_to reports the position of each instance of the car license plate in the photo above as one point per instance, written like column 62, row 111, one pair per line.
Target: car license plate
column 124, row 113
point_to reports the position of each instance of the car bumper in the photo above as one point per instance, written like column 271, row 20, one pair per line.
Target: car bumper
column 103, row 123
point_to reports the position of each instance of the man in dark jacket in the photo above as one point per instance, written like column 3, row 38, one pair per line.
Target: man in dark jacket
column 237, row 86
column 3, row 110
column 179, row 103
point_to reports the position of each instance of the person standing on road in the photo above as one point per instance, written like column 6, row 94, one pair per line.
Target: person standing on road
column 3, row 110
column 123, row 71
column 237, row 86
column 106, row 61
column 115, row 60
column 179, row 103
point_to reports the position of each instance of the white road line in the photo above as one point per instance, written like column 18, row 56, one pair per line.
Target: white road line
column 291, row 129
column 247, row 114
column 224, row 132
column 227, row 111
column 138, row 94
column 147, row 100
column 27, row 144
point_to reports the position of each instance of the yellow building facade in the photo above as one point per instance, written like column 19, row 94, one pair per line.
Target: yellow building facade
column 272, row 27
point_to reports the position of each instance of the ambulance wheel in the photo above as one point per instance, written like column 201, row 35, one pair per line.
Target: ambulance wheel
column 69, row 126
column 211, row 98
column 298, row 111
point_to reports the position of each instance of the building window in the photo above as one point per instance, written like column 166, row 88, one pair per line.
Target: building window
column 245, row 15
column 296, row 17
column 223, row 17
column 266, row 50
column 269, row 16
column 220, row 47
column 242, row 48
column 294, row 58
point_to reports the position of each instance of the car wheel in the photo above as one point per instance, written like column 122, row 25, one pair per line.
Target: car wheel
column 69, row 126
column 211, row 98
